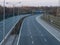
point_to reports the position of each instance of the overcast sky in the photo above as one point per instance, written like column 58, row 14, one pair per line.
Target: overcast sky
column 34, row 2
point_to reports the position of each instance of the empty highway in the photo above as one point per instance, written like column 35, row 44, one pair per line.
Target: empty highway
column 9, row 25
column 32, row 33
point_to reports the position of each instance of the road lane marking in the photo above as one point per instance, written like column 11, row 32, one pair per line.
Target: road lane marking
column 36, row 28
column 31, row 36
column 8, row 33
column 32, row 42
column 41, row 34
column 52, row 31
column 30, row 32
column 45, row 40
column 20, row 34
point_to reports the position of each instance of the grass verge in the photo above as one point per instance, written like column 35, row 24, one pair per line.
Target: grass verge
column 54, row 20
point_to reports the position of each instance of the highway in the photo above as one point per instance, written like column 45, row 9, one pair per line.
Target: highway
column 32, row 33
column 9, row 25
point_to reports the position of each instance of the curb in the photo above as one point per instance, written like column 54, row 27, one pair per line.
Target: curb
column 49, row 28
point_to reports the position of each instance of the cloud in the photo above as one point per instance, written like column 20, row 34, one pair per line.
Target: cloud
column 35, row 2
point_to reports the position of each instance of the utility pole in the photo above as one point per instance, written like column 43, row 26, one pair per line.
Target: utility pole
column 3, row 21
column 4, row 18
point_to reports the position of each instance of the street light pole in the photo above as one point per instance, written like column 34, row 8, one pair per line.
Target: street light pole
column 19, row 8
column 3, row 19
column 14, row 7
column 13, row 10
column 18, row 11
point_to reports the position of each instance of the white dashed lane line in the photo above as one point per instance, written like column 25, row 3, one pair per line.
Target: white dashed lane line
column 32, row 42
column 31, row 36
column 45, row 40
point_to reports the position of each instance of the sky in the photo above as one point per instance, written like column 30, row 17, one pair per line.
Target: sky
column 32, row 2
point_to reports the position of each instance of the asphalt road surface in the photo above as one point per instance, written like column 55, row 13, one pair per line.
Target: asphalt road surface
column 9, row 23
column 32, row 33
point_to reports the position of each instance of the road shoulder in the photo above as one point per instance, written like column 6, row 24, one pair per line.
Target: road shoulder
column 49, row 28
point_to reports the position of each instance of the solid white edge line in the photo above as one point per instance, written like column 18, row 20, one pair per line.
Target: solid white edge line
column 8, row 33
column 46, row 28
column 20, row 34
